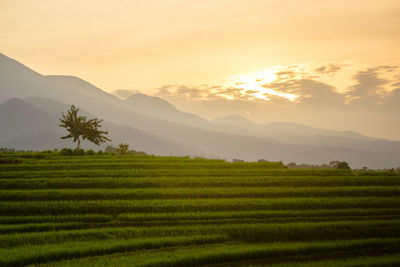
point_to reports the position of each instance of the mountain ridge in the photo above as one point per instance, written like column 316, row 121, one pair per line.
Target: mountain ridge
column 185, row 133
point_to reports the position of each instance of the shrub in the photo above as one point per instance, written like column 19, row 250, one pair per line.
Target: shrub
column 66, row 152
column 10, row 161
column 70, row 152
column 90, row 152
column 123, row 148
column 47, row 152
column 343, row 165
column 111, row 149
column 79, row 152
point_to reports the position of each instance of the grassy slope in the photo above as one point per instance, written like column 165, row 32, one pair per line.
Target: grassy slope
column 168, row 211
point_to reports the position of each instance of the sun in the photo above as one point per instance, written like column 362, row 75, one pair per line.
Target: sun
column 256, row 84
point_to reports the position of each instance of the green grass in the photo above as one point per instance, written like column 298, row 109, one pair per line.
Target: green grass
column 183, row 205
column 133, row 210
column 248, row 232
column 139, row 165
column 179, row 172
column 376, row 261
column 231, row 253
column 172, row 182
column 191, row 193
column 35, row 254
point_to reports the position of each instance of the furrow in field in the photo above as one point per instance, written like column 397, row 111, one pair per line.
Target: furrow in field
column 231, row 253
column 171, row 182
column 42, row 227
column 172, row 173
column 20, row 224
column 376, row 257
column 14, row 208
column 192, row 193
column 138, row 165
column 50, row 252
column 262, row 232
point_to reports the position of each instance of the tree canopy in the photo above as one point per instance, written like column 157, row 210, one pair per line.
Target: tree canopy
column 79, row 127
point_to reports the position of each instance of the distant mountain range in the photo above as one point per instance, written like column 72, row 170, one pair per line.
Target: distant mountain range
column 31, row 103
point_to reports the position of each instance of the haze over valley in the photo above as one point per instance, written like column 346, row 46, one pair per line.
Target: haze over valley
column 32, row 104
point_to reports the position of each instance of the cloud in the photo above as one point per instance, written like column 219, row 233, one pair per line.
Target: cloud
column 307, row 88
column 318, row 93
column 371, row 87
column 205, row 92
column 303, row 81
column 330, row 68
column 276, row 84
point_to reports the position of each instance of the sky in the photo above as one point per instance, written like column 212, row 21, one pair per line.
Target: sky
column 331, row 64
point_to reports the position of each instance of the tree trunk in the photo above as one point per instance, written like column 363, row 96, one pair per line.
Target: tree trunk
column 79, row 143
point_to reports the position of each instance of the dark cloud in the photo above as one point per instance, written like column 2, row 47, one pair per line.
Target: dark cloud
column 192, row 92
column 397, row 85
column 370, row 86
column 368, row 83
column 309, row 91
column 328, row 69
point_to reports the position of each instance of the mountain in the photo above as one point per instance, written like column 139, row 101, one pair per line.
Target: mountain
column 160, row 108
column 154, row 104
column 213, row 143
column 299, row 134
column 37, row 128
column 235, row 120
column 18, row 118
column 279, row 127
column 155, row 126
column 300, row 129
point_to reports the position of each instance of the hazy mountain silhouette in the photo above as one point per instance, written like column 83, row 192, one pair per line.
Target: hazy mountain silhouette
column 18, row 118
column 37, row 128
column 235, row 120
column 279, row 127
column 160, row 108
column 294, row 133
column 153, row 125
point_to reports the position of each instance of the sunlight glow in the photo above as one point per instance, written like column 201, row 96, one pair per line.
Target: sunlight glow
column 256, row 85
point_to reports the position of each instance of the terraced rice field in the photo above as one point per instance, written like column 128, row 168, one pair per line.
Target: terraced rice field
column 168, row 211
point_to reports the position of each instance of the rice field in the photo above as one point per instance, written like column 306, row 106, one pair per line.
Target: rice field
column 138, row 210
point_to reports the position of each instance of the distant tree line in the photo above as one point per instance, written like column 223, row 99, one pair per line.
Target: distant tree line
column 122, row 149
column 336, row 164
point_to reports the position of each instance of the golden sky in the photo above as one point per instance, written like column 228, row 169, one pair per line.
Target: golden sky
column 330, row 64
column 139, row 45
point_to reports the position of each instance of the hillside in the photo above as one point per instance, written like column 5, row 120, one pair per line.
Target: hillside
column 160, row 108
column 32, row 126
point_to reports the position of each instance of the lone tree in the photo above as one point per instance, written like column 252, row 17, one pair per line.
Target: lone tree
column 123, row 148
column 80, row 127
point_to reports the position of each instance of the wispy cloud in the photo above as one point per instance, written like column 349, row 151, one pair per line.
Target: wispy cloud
column 328, row 68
